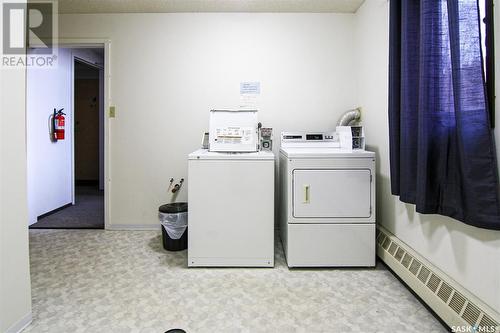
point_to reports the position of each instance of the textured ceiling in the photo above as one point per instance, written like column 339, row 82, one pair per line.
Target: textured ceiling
column 173, row 6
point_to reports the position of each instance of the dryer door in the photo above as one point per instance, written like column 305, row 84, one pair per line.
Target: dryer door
column 337, row 193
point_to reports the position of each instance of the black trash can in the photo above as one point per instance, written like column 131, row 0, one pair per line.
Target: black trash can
column 174, row 210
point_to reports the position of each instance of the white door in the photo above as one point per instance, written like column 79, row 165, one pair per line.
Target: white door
column 331, row 193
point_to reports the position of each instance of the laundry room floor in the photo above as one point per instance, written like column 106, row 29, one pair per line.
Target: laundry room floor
column 123, row 281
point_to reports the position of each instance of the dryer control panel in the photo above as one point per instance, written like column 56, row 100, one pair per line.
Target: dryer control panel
column 309, row 139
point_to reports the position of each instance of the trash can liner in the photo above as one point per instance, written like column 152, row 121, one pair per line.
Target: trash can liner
column 175, row 207
column 174, row 223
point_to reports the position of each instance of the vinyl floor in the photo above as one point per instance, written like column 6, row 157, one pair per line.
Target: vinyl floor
column 123, row 281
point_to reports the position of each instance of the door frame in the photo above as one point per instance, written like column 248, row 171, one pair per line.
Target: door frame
column 106, row 45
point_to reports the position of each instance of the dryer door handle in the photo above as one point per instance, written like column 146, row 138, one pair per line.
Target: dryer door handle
column 307, row 194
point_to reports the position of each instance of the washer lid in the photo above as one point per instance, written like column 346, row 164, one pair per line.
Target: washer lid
column 204, row 154
column 325, row 153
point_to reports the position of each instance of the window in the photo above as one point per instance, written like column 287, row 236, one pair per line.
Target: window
column 486, row 12
column 442, row 151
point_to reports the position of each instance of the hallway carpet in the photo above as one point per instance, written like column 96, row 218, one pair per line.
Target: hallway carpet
column 87, row 213
column 123, row 281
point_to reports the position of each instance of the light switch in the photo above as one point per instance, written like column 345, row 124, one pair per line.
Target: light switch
column 111, row 112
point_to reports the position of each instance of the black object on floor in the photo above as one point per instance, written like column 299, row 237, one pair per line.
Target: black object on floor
column 175, row 330
column 170, row 244
column 87, row 213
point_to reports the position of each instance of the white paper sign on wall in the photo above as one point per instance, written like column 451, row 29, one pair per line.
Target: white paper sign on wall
column 249, row 95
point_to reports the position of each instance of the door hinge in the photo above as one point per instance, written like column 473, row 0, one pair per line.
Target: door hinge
column 371, row 178
column 370, row 210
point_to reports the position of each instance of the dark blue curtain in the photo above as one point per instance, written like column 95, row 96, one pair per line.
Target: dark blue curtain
column 441, row 145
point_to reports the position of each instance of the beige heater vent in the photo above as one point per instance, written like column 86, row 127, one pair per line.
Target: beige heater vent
column 406, row 260
column 415, row 266
column 386, row 243
column 424, row 274
column 471, row 314
column 399, row 254
column 392, row 248
column 487, row 322
column 449, row 300
column 445, row 292
column 434, row 282
column 457, row 302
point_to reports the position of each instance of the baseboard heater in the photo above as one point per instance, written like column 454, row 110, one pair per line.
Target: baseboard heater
column 458, row 308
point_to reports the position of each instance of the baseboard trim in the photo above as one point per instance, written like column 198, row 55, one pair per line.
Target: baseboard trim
column 455, row 305
column 87, row 182
column 132, row 227
column 21, row 324
column 53, row 211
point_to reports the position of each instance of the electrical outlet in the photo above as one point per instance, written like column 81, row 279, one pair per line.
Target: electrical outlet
column 111, row 112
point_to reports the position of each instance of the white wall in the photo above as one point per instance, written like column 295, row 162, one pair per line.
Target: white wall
column 15, row 289
column 469, row 255
column 49, row 163
column 169, row 70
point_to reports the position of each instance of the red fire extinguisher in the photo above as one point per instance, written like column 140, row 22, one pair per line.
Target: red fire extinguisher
column 58, row 123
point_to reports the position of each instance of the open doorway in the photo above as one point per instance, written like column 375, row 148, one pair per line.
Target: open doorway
column 88, row 144
column 66, row 177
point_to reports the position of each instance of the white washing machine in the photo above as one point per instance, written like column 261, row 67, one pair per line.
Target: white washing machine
column 231, row 209
column 327, row 202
